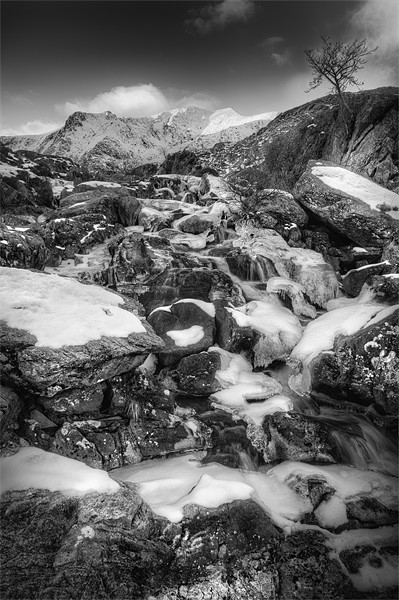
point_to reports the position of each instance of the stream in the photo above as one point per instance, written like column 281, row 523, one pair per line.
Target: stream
column 366, row 455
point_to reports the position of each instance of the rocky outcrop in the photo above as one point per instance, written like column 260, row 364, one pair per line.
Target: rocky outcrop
column 89, row 544
column 278, row 154
column 348, row 203
column 22, row 248
column 363, row 367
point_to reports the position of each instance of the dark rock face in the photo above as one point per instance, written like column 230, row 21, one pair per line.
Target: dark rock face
column 112, row 546
column 25, row 184
column 200, row 283
column 230, row 336
column 196, row 373
column 354, row 280
column 22, row 249
column 306, row 571
column 363, row 367
column 118, row 205
column 293, row 436
column 346, row 214
column 279, row 205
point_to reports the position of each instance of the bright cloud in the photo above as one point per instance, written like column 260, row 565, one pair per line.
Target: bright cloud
column 221, row 14
column 32, row 128
column 142, row 100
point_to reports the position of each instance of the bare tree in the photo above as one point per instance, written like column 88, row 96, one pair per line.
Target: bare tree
column 338, row 63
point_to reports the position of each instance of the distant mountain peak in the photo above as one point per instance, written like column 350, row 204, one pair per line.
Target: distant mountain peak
column 103, row 139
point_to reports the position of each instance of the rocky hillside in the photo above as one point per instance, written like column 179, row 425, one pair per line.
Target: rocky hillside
column 105, row 141
column 277, row 155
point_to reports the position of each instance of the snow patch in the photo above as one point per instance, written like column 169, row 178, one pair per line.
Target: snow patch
column 59, row 311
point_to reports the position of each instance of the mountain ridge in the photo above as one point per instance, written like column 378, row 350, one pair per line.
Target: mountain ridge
column 105, row 141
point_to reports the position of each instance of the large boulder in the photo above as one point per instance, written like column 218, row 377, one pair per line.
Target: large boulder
column 116, row 204
column 57, row 333
column 189, row 281
column 186, row 327
column 363, row 367
column 348, row 203
column 279, row 205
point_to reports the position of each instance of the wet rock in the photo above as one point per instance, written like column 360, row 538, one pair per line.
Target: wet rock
column 231, row 336
column 369, row 512
column 293, row 436
column 196, row 324
column 306, row 570
column 196, row 373
column 354, row 280
column 339, row 203
column 363, row 367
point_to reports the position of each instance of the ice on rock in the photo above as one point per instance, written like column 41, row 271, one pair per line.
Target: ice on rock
column 167, row 486
column 35, row 468
column 242, row 385
column 319, row 336
column 281, row 330
column 304, row 266
column 366, row 296
column 295, row 291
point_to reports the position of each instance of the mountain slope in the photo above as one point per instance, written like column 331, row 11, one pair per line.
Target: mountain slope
column 104, row 140
column 277, row 155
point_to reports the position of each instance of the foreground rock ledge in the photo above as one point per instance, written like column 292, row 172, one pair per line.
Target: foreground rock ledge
column 59, row 334
column 103, row 546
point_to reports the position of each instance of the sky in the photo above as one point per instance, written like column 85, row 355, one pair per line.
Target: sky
column 141, row 57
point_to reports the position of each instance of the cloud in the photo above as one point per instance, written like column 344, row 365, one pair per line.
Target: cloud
column 281, row 58
column 377, row 21
column 142, row 100
column 272, row 41
column 220, row 15
column 32, row 128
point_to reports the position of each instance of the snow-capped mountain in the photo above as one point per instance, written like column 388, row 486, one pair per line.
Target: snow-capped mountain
column 103, row 140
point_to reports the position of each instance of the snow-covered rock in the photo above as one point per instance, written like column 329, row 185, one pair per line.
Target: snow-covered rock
column 320, row 334
column 349, row 203
column 58, row 333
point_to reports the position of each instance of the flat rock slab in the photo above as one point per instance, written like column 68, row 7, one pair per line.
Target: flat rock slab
column 348, row 203
column 57, row 333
